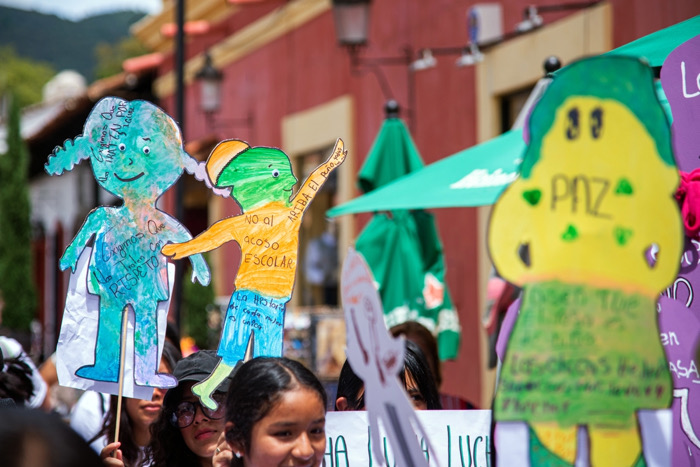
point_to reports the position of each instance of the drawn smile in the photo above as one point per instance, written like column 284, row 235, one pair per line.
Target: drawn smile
column 135, row 177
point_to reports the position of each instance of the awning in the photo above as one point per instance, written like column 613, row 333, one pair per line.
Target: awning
column 656, row 46
column 473, row 177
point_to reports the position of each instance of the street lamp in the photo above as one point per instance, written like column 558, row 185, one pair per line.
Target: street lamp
column 351, row 19
column 210, row 86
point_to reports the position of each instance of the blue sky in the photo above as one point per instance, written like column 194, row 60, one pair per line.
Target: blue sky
column 78, row 9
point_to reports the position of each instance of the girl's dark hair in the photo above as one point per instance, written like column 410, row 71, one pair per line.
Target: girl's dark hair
column 416, row 332
column 417, row 366
column 130, row 450
column 255, row 389
column 349, row 384
column 16, row 381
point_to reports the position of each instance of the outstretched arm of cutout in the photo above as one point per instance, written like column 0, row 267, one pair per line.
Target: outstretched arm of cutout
column 319, row 176
column 509, row 229
column 212, row 238
column 92, row 224
column 200, row 270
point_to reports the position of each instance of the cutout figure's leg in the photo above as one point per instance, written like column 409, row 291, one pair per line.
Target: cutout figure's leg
column 107, row 346
column 620, row 448
column 146, row 348
column 552, row 445
column 206, row 388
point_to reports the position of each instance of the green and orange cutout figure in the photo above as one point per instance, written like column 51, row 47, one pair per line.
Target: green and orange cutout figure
column 595, row 194
column 267, row 232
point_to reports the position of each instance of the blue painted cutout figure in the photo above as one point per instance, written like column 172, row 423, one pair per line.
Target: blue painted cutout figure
column 136, row 153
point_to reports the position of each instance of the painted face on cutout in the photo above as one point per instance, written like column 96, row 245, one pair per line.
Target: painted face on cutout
column 258, row 176
column 597, row 173
column 136, row 148
column 291, row 434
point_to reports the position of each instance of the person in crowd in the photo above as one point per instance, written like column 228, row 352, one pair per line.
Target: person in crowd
column 88, row 414
column 275, row 415
column 416, row 332
column 17, row 367
column 426, row 341
column 16, row 387
column 31, row 437
column 186, row 433
column 417, row 379
column 135, row 421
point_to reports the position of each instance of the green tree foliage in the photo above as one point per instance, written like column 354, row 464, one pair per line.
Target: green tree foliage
column 195, row 301
column 109, row 57
column 16, row 285
column 25, row 78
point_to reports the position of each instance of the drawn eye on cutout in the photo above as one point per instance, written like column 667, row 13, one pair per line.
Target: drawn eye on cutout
column 122, row 147
column 146, row 150
column 573, row 128
column 596, row 122
column 275, row 173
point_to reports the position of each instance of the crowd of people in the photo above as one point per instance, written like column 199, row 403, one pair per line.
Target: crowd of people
column 270, row 411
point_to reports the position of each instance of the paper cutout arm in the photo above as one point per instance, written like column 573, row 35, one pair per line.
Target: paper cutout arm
column 318, row 176
column 212, row 238
column 200, row 270
column 92, row 224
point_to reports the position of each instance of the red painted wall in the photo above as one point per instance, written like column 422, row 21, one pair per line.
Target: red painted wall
column 306, row 68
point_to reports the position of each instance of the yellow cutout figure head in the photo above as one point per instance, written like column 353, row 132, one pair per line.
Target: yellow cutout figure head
column 596, row 186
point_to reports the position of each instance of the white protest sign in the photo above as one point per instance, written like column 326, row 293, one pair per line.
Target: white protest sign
column 457, row 438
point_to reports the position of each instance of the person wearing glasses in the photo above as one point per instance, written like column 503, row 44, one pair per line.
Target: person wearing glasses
column 187, row 433
column 135, row 420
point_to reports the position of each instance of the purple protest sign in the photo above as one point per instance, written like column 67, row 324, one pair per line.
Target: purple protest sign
column 680, row 329
column 680, row 78
column 679, row 311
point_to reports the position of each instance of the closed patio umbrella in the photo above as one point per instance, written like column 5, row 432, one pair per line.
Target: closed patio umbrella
column 403, row 248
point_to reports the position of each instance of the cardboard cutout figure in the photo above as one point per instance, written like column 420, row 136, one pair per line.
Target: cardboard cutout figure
column 136, row 153
column 679, row 316
column 267, row 231
column 377, row 357
column 574, row 231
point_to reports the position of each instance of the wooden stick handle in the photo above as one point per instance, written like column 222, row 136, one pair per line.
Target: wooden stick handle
column 122, row 359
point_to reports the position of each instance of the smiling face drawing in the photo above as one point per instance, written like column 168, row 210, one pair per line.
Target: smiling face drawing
column 136, row 148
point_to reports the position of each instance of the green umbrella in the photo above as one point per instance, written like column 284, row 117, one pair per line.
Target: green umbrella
column 473, row 177
column 403, row 248
column 656, row 46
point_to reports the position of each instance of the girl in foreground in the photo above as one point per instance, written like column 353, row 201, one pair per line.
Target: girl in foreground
column 186, row 433
column 275, row 416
